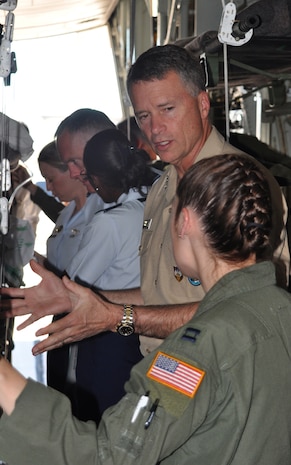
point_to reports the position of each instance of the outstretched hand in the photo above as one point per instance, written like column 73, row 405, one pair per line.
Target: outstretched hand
column 90, row 315
column 87, row 313
column 49, row 297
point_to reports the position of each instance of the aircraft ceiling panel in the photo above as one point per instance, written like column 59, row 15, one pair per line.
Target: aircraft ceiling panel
column 43, row 18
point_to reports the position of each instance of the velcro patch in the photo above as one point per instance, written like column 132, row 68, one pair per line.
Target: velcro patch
column 176, row 374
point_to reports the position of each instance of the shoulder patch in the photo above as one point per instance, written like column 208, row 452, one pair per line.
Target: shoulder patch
column 176, row 374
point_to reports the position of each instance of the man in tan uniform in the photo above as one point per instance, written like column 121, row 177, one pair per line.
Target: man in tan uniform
column 167, row 89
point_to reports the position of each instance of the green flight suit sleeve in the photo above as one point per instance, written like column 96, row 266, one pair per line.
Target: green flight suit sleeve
column 45, row 431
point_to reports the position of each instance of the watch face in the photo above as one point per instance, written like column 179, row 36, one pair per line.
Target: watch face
column 125, row 330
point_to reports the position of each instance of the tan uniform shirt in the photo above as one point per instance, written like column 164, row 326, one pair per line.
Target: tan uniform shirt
column 159, row 285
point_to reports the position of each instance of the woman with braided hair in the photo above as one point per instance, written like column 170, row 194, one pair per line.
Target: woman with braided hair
column 233, row 201
column 217, row 391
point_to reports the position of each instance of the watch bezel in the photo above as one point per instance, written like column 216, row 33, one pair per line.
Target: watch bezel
column 125, row 329
column 126, row 326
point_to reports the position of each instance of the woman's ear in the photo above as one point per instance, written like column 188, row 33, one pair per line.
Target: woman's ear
column 184, row 222
column 94, row 181
column 189, row 223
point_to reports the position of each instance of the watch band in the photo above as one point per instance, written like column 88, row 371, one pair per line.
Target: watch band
column 126, row 326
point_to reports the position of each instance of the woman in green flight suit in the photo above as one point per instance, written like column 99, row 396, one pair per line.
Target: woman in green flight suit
column 217, row 391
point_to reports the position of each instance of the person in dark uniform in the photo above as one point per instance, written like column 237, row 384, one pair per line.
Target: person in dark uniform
column 218, row 389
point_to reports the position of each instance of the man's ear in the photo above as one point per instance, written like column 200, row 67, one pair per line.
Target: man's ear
column 204, row 104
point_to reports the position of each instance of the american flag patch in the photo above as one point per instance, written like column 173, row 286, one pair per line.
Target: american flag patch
column 176, row 374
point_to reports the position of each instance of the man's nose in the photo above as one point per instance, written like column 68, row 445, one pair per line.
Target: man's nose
column 157, row 124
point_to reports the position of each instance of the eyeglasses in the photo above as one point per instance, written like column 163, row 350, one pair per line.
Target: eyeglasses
column 87, row 177
column 84, row 176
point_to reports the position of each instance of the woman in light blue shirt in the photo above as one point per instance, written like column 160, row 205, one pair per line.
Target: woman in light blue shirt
column 65, row 239
column 108, row 259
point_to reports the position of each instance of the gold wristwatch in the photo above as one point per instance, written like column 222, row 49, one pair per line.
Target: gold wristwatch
column 126, row 326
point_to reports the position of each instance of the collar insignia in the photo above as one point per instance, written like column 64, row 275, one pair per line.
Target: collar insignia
column 147, row 224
